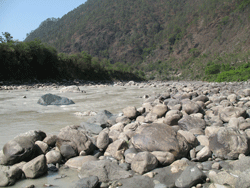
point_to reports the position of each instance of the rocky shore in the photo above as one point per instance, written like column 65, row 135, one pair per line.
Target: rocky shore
column 194, row 134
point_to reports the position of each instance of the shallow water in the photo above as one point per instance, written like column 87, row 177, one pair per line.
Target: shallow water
column 19, row 115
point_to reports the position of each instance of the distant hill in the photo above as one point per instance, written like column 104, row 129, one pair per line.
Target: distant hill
column 165, row 38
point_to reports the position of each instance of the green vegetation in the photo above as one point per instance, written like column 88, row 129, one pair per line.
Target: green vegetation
column 36, row 60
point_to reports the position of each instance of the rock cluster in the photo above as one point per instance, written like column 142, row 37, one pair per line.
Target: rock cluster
column 193, row 135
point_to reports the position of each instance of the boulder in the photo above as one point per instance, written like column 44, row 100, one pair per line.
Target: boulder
column 116, row 149
column 172, row 117
column 228, row 143
column 102, row 141
column 53, row 157
column 91, row 128
column 229, row 112
column 71, row 141
column 222, row 177
column 88, row 182
column 191, row 139
column 77, row 162
column 164, row 158
column 187, row 123
column 137, row 181
column 50, row 140
column 42, row 145
column 22, row 147
column 204, row 154
column 130, row 112
column 160, row 137
column 190, row 177
column 103, row 118
column 50, row 99
column 144, row 162
column 9, row 175
column 36, row 167
column 160, row 110
column 105, row 170
column 190, row 107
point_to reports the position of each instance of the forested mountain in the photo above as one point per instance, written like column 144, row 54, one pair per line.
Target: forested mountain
column 164, row 37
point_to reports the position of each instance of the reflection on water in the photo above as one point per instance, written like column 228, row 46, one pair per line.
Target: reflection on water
column 19, row 115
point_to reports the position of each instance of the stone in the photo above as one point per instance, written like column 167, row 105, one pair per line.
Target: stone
column 178, row 165
column 243, row 179
column 228, row 143
column 105, row 170
column 204, row 154
column 116, row 149
column 52, row 168
column 9, row 175
column 144, row 162
column 130, row 112
column 222, row 177
column 71, row 141
column 172, row 117
column 88, row 182
column 160, row 110
column 191, row 139
column 190, row 107
column 187, row 123
column 42, row 145
column 53, row 157
column 229, row 112
column 50, row 99
column 160, row 137
column 137, row 181
column 102, row 141
column 202, row 98
column 203, row 140
column 36, row 167
column 77, row 162
column 21, row 148
column 164, row 158
column 118, row 126
column 103, row 118
column 91, row 128
column 50, row 140
column 190, row 177
column 150, row 117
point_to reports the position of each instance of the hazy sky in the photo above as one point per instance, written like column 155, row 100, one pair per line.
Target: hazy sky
column 19, row 17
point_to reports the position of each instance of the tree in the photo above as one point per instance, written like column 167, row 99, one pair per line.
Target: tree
column 8, row 37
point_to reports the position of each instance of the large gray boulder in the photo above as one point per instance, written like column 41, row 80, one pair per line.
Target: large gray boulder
column 105, row 170
column 91, row 128
column 50, row 99
column 160, row 137
column 229, row 112
column 137, row 181
column 130, row 112
column 228, row 143
column 71, row 141
column 88, row 182
column 36, row 167
column 22, row 147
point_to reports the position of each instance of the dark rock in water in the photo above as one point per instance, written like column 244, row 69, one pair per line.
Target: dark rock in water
column 160, row 137
column 50, row 99
column 89, row 182
column 22, row 147
column 228, row 143
column 190, row 176
column 105, row 170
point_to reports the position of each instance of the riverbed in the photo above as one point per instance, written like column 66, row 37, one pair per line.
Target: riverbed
column 20, row 112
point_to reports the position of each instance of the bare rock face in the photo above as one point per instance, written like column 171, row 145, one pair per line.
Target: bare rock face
column 22, row 147
column 160, row 137
column 144, row 162
column 36, row 167
column 228, row 143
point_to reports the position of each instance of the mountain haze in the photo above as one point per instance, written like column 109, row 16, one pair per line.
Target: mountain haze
column 166, row 36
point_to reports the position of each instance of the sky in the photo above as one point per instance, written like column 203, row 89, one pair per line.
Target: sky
column 19, row 17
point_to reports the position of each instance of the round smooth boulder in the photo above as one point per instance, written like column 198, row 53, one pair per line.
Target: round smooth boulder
column 130, row 112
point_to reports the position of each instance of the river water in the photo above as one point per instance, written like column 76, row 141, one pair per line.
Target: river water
column 19, row 115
